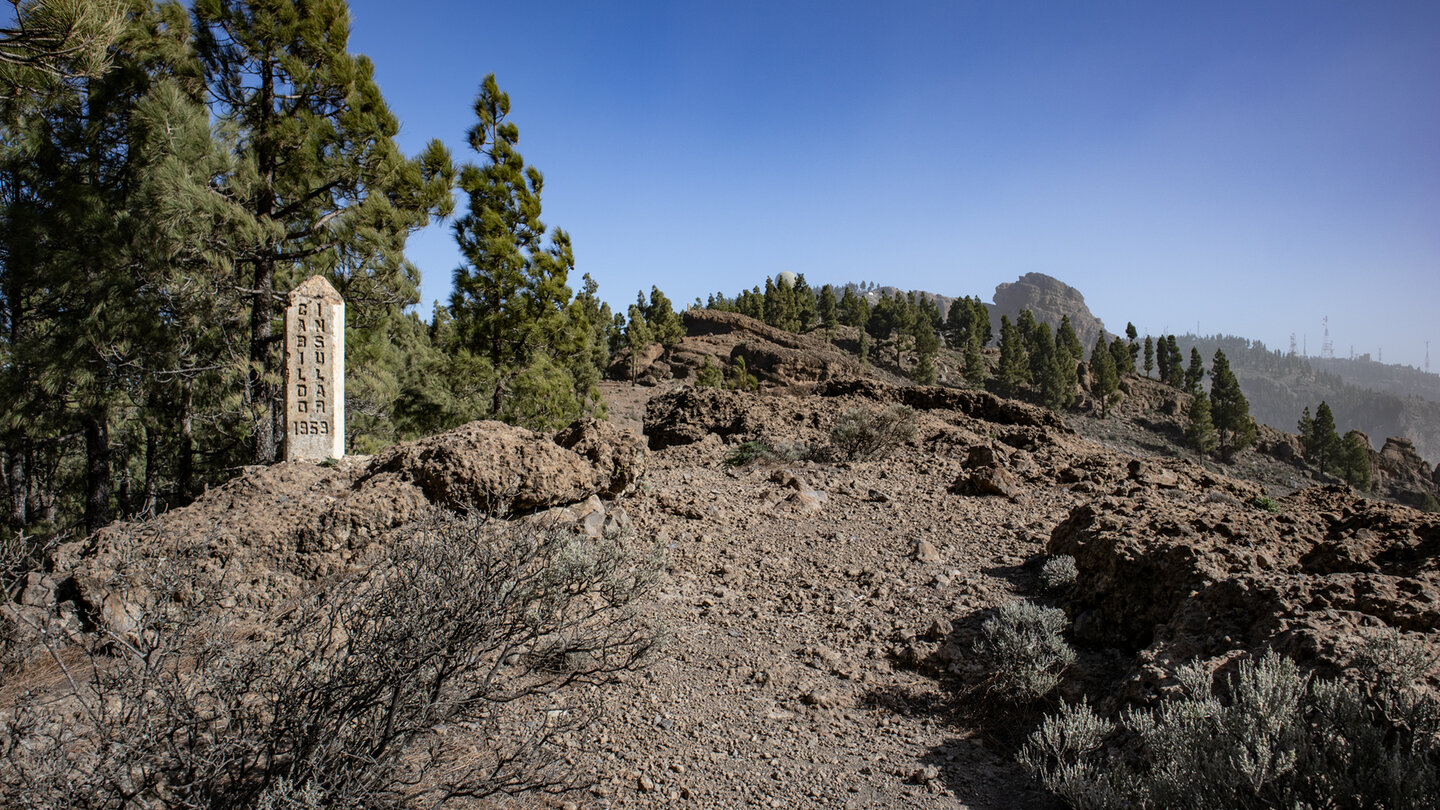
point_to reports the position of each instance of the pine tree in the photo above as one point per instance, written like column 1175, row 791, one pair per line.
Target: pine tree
column 55, row 42
column 1014, row 371
column 1175, row 376
column 318, row 175
column 1105, row 381
column 1067, row 365
column 1200, row 433
column 1150, row 357
column 854, row 309
column 1305, row 428
column 1162, row 360
column 511, row 306
column 1131, row 336
column 1195, row 373
column 709, row 375
column 927, row 345
column 957, row 322
column 115, row 314
column 740, row 377
column 1120, row 353
column 1324, row 447
column 1025, row 324
column 1046, row 369
column 805, row 307
column 665, row 325
column 980, row 319
column 975, row 371
column 1229, row 409
column 829, row 311
column 637, row 337
column 889, row 317
column 597, row 315
column 1070, row 341
column 1355, row 460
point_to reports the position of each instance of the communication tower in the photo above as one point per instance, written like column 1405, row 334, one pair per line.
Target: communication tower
column 1292, row 344
column 1327, row 348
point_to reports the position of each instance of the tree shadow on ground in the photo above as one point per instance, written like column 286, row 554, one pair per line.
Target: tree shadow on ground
column 972, row 764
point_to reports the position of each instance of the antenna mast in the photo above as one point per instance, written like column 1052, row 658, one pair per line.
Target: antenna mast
column 1327, row 348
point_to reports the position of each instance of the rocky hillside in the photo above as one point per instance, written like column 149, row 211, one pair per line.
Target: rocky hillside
column 821, row 610
column 1278, row 387
column 1376, row 399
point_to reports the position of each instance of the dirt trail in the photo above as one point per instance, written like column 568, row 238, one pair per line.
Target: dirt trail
column 782, row 685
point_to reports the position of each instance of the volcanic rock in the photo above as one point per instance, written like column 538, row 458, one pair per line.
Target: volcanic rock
column 1049, row 300
column 1398, row 473
column 1179, row 576
column 494, row 467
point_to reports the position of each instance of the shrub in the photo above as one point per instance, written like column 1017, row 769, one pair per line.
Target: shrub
column 862, row 434
column 1023, row 645
column 1058, row 574
column 709, row 375
column 1279, row 739
column 756, row 451
column 1066, row 754
column 1266, row 503
column 438, row 674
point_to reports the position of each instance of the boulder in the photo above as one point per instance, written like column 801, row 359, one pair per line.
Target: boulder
column 617, row 455
column 492, row 467
column 987, row 481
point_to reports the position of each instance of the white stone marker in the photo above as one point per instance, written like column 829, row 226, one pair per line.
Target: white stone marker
column 315, row 372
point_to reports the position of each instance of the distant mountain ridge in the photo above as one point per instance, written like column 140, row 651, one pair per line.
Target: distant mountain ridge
column 1279, row 386
column 1377, row 399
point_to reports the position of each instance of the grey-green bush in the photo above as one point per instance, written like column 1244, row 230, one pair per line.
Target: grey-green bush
column 1058, row 574
column 861, row 434
column 429, row 678
column 1278, row 739
column 1024, row 647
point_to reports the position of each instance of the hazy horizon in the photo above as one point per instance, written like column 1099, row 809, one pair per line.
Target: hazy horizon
column 1252, row 167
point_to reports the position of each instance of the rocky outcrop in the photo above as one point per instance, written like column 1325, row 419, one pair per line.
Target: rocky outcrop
column 1398, row 473
column 264, row 535
column 688, row 415
column 1179, row 574
column 493, row 467
column 775, row 357
column 1049, row 300
column 616, row 455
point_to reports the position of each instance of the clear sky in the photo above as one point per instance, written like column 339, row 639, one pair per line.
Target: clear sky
column 1251, row 166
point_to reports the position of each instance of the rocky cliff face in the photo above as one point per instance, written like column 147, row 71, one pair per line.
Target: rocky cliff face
column 1049, row 300
column 1399, row 474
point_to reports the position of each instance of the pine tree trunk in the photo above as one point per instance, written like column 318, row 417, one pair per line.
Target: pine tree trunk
column 122, row 491
column 185, row 468
column 97, row 473
column 152, row 472
column 15, row 481
column 263, row 298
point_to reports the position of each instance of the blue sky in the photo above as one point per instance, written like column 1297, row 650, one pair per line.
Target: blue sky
column 1250, row 166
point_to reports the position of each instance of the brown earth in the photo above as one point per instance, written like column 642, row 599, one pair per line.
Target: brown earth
column 820, row 613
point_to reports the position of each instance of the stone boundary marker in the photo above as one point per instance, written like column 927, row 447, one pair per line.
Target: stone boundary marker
column 315, row 372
